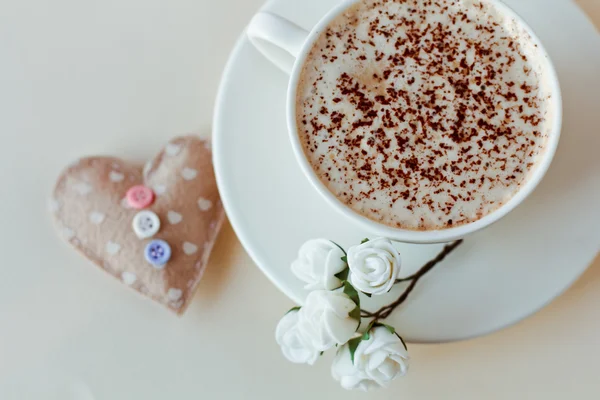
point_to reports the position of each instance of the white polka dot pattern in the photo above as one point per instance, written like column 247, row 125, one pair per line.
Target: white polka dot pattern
column 97, row 217
column 189, row 248
column 116, row 176
column 204, row 204
column 112, row 248
column 83, row 188
column 128, row 278
column 174, row 217
column 189, row 174
column 174, row 294
column 93, row 214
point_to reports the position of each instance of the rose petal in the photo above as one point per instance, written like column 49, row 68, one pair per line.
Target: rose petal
column 376, row 359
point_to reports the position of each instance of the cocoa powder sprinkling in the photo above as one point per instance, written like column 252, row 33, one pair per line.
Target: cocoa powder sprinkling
column 422, row 114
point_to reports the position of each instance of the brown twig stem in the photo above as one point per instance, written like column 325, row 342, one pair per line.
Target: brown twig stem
column 386, row 311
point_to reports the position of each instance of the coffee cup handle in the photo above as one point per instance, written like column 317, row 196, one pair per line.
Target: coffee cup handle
column 277, row 38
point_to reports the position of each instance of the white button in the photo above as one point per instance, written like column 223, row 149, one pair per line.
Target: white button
column 146, row 224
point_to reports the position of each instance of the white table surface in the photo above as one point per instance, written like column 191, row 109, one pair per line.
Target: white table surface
column 80, row 77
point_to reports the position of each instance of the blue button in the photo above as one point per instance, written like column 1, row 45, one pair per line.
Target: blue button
column 157, row 253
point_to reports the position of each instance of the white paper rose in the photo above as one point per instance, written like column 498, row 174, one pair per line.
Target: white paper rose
column 374, row 266
column 325, row 319
column 293, row 345
column 318, row 262
column 377, row 361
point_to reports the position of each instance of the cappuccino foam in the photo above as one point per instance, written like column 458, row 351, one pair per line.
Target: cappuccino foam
column 424, row 114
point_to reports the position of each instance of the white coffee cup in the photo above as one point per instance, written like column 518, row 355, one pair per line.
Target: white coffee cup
column 287, row 46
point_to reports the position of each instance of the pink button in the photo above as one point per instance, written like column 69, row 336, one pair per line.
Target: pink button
column 140, row 197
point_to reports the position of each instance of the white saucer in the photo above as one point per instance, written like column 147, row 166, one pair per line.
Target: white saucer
column 498, row 276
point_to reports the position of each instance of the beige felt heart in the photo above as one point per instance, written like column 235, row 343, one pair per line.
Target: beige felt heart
column 93, row 215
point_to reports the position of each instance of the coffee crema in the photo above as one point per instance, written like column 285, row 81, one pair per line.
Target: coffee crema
column 423, row 114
